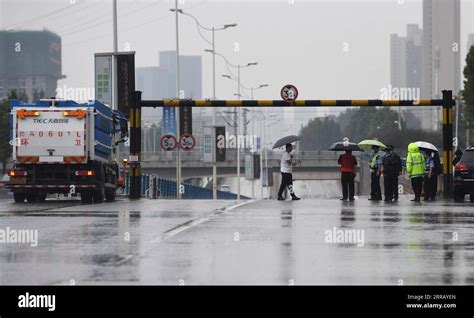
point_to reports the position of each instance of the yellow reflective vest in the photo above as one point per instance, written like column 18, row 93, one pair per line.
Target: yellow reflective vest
column 415, row 162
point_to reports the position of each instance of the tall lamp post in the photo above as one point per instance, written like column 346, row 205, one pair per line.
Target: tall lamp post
column 237, row 120
column 178, row 129
column 252, row 89
column 212, row 43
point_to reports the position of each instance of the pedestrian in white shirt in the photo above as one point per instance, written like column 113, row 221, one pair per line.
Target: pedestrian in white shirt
column 286, row 177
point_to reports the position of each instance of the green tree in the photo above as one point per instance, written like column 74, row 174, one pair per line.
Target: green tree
column 5, row 147
column 370, row 123
column 468, row 92
column 319, row 134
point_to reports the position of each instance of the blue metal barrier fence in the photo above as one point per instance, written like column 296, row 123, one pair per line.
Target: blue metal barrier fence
column 166, row 189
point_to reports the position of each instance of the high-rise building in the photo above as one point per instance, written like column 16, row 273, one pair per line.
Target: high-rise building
column 406, row 64
column 441, row 53
column 160, row 82
column 30, row 63
column 398, row 63
column 406, row 59
column 190, row 68
column 470, row 41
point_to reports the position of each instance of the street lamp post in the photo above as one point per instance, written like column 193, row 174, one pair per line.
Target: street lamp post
column 237, row 120
column 178, row 129
column 213, row 50
column 252, row 89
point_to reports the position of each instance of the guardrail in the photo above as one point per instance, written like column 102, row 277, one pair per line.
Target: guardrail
column 166, row 189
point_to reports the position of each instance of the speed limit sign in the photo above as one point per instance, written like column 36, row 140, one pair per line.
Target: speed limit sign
column 187, row 142
column 289, row 93
column 168, row 142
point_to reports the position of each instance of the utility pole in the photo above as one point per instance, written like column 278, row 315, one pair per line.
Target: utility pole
column 114, row 58
column 178, row 128
column 237, row 136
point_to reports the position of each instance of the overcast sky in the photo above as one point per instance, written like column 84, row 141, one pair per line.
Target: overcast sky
column 301, row 43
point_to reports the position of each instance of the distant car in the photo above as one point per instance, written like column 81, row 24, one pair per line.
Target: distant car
column 225, row 188
column 464, row 176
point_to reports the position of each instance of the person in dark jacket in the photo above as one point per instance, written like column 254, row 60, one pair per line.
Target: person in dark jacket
column 431, row 175
column 457, row 157
column 348, row 164
column 391, row 169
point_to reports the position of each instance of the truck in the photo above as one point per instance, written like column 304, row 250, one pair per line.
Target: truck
column 60, row 146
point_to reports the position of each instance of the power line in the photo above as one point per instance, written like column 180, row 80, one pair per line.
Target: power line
column 128, row 29
column 41, row 17
column 108, row 20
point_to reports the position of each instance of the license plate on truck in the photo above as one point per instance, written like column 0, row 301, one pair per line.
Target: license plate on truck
column 17, row 180
column 51, row 135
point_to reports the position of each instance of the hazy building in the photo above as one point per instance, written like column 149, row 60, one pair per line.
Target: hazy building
column 406, row 59
column 30, row 62
column 398, row 61
column 160, row 82
column 441, row 53
column 190, row 69
column 470, row 42
column 406, row 65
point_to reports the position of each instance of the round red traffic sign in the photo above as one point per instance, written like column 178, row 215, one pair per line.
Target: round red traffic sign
column 289, row 93
column 187, row 142
column 168, row 142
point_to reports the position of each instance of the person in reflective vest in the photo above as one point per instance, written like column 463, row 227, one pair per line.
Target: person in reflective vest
column 415, row 165
column 375, row 172
column 348, row 163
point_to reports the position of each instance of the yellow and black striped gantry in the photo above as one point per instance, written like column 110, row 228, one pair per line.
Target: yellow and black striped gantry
column 447, row 102
column 296, row 103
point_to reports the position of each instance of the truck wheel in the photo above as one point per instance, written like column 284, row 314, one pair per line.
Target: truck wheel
column 19, row 197
column 109, row 194
column 458, row 196
column 86, row 197
column 41, row 197
column 31, row 197
column 98, row 195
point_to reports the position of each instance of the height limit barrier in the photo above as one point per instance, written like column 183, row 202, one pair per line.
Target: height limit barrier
column 447, row 102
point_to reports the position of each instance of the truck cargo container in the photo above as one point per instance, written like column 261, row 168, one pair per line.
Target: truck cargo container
column 60, row 146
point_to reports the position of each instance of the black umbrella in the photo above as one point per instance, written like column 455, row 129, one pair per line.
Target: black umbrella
column 344, row 145
column 286, row 140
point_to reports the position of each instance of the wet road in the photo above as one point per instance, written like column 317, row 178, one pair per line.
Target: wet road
column 312, row 241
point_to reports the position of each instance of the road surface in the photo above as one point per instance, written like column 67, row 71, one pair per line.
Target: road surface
column 312, row 241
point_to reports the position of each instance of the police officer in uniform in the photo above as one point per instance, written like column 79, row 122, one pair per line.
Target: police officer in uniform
column 375, row 172
column 391, row 169
column 415, row 166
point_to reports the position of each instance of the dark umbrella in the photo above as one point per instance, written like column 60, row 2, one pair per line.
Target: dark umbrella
column 286, row 140
column 344, row 145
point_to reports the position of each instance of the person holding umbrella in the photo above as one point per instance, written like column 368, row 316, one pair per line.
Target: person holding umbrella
column 415, row 166
column 286, row 170
column 432, row 169
column 286, row 167
column 348, row 164
column 375, row 165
